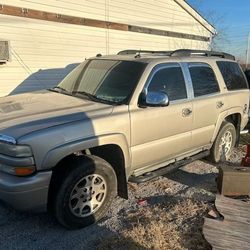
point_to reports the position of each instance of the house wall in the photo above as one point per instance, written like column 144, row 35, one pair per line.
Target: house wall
column 43, row 52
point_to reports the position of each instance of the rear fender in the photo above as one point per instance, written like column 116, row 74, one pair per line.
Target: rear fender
column 221, row 118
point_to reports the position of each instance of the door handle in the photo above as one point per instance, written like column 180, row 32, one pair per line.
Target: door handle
column 219, row 105
column 187, row 112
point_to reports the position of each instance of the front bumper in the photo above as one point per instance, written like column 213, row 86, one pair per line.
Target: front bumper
column 26, row 193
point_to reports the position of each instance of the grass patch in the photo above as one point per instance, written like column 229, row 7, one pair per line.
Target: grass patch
column 175, row 224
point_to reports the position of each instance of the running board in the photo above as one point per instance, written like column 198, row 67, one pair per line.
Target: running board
column 169, row 168
column 243, row 132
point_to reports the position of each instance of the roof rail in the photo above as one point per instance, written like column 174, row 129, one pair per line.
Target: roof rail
column 179, row 52
column 134, row 51
column 189, row 52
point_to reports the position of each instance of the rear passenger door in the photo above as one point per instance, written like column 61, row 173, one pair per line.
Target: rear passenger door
column 207, row 103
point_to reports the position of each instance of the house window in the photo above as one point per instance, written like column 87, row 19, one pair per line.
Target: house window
column 4, row 51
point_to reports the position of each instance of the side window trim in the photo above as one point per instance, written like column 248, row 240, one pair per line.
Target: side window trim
column 206, row 65
column 199, row 64
column 188, row 80
column 161, row 66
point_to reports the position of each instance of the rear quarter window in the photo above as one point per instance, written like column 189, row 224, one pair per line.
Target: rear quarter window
column 233, row 76
column 247, row 73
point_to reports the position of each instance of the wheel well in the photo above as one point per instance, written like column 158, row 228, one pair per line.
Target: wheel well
column 235, row 119
column 58, row 173
column 114, row 156
column 111, row 153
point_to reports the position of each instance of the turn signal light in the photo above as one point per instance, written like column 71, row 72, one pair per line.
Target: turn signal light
column 23, row 171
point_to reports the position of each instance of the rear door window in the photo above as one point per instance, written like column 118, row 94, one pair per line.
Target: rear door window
column 203, row 79
column 233, row 76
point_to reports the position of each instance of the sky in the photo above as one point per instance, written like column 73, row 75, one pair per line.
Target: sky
column 231, row 19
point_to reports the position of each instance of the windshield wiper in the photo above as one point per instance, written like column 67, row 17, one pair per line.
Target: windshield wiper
column 60, row 90
column 91, row 97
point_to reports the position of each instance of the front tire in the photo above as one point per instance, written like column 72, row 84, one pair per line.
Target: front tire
column 85, row 192
column 224, row 143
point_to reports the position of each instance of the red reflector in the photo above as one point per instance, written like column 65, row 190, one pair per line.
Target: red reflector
column 246, row 160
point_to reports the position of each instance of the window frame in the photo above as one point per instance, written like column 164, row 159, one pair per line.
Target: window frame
column 161, row 66
column 86, row 63
column 203, row 64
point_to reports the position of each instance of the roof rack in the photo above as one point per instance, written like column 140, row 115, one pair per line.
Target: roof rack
column 134, row 52
column 189, row 52
column 180, row 53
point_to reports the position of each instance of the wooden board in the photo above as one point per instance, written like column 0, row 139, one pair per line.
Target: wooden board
column 233, row 232
column 55, row 17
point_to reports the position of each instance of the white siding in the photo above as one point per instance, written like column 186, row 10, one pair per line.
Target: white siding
column 164, row 15
column 159, row 14
column 43, row 52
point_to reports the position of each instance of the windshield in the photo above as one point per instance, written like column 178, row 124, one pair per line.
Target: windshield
column 106, row 80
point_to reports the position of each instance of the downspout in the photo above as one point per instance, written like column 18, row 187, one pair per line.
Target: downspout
column 107, row 21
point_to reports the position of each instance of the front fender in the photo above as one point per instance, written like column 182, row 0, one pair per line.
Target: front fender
column 56, row 154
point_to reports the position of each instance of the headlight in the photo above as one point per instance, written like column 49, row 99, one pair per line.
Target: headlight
column 15, row 150
column 9, row 147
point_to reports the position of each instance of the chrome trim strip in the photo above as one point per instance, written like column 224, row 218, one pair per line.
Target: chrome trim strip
column 243, row 132
column 188, row 80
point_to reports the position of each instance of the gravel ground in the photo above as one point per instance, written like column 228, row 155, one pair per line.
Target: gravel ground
column 195, row 181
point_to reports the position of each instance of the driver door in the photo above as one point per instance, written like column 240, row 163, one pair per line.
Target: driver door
column 159, row 134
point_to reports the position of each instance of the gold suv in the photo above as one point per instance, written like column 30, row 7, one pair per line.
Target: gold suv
column 113, row 119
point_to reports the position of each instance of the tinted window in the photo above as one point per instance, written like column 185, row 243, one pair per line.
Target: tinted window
column 233, row 75
column 107, row 80
column 170, row 81
column 247, row 72
column 204, row 80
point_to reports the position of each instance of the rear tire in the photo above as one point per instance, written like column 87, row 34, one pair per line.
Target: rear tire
column 85, row 193
column 223, row 144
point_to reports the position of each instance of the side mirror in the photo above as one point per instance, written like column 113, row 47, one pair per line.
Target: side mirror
column 154, row 99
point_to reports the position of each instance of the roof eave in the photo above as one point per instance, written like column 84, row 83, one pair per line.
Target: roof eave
column 197, row 16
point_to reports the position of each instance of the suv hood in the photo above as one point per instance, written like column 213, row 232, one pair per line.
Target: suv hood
column 26, row 113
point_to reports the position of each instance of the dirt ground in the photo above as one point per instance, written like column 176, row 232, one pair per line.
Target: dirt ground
column 166, row 213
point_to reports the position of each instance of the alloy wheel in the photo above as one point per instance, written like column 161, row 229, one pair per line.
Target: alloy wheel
column 88, row 195
column 226, row 144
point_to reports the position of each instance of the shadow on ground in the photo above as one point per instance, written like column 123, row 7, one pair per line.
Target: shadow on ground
column 43, row 79
column 41, row 231
column 191, row 179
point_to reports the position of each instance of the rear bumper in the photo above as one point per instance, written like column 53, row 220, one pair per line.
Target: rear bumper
column 25, row 193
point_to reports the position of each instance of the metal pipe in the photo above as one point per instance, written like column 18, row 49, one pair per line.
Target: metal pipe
column 247, row 57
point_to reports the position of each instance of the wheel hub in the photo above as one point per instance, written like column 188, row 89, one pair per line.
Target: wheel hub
column 88, row 195
column 226, row 144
